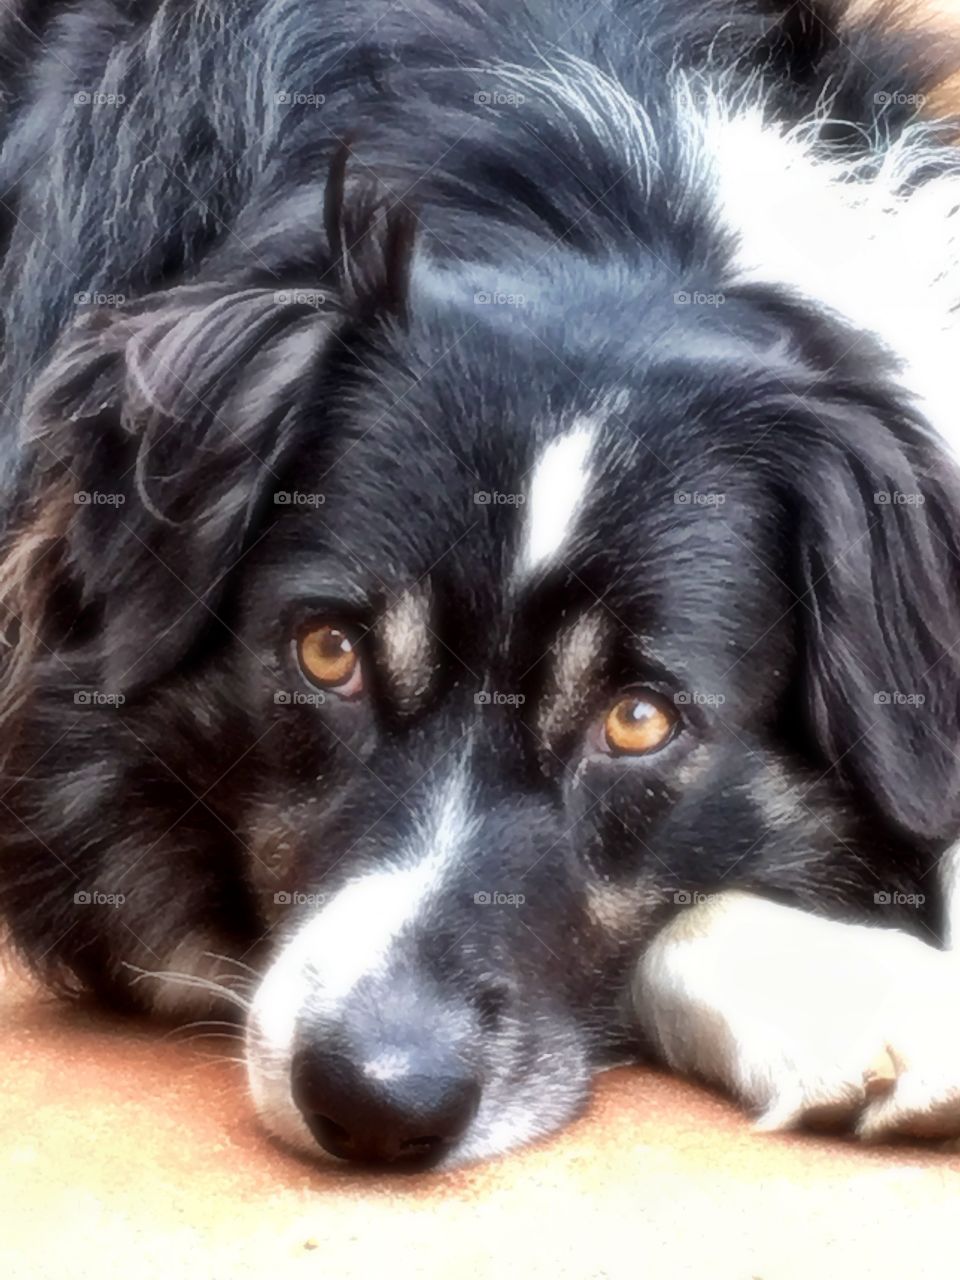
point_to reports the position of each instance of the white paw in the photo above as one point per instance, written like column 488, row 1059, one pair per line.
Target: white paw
column 808, row 1021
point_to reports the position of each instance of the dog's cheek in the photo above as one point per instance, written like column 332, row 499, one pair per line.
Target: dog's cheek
column 273, row 843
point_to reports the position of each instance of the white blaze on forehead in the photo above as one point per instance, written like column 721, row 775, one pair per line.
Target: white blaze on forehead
column 557, row 488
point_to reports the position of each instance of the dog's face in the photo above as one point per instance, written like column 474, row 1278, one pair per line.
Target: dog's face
column 494, row 644
column 518, row 628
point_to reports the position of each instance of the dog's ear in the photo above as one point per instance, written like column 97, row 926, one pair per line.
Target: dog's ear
column 879, row 547
column 156, row 434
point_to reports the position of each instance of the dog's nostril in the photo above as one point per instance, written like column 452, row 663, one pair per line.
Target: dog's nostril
column 411, row 1113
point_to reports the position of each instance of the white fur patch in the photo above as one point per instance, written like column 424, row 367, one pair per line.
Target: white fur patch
column 557, row 488
column 349, row 939
column 844, row 234
column 792, row 1013
column 949, row 872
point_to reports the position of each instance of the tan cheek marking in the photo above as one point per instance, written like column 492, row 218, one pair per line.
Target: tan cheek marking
column 621, row 910
column 944, row 101
column 941, row 16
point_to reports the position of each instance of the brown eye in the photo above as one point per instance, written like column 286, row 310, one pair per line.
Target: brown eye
column 329, row 659
column 638, row 724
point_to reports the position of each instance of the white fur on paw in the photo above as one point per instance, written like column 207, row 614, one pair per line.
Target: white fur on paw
column 794, row 1013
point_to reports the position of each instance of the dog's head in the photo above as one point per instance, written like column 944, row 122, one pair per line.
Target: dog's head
column 492, row 620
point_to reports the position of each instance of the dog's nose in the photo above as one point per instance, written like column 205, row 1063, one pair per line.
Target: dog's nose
column 400, row 1104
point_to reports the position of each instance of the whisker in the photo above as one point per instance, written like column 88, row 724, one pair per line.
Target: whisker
column 194, row 982
column 240, row 964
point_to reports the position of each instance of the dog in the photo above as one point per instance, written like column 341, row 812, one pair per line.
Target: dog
column 480, row 518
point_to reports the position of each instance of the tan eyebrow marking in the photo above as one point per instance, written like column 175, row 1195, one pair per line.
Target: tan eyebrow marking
column 407, row 646
column 577, row 653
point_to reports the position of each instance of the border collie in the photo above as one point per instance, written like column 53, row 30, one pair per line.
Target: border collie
column 480, row 542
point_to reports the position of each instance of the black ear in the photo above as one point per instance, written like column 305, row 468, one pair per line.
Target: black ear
column 879, row 546
column 166, row 425
column 157, row 432
column 371, row 239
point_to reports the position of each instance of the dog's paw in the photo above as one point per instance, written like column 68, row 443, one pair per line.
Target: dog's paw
column 808, row 1021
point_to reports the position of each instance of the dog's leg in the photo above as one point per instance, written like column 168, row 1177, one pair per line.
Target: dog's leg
column 807, row 1020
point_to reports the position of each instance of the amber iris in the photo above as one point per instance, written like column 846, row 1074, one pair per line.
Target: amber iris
column 327, row 655
column 639, row 723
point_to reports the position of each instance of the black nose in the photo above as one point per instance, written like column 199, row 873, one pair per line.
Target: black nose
column 403, row 1104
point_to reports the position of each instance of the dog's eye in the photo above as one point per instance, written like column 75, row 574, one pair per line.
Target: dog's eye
column 329, row 659
column 639, row 723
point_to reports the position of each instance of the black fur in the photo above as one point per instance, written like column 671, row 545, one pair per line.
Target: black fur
column 291, row 306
